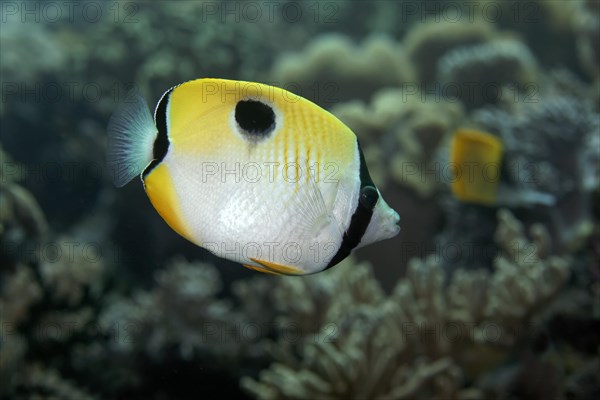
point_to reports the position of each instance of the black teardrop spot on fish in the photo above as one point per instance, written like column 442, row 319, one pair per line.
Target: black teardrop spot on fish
column 255, row 118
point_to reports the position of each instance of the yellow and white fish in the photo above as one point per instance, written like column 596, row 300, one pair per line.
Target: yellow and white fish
column 252, row 173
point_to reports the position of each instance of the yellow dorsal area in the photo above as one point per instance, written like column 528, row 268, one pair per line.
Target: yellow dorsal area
column 159, row 187
column 476, row 159
column 201, row 123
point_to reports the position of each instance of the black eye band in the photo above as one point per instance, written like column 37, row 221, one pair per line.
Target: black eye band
column 361, row 218
column 161, row 143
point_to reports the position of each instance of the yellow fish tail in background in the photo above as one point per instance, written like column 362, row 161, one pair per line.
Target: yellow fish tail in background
column 476, row 157
column 252, row 173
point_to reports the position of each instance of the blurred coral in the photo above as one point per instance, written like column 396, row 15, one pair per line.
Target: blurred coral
column 478, row 74
column 427, row 338
column 13, row 348
column 586, row 24
column 181, row 311
column 42, row 382
column 332, row 69
column 552, row 153
column 345, row 346
column 401, row 133
column 22, row 222
column 20, row 292
column 429, row 41
column 72, row 272
column 43, row 53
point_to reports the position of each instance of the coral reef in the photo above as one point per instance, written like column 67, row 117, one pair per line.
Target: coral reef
column 401, row 133
column 40, row 40
column 332, row 69
column 181, row 311
column 21, row 291
column 549, row 171
column 71, row 273
column 47, row 383
column 496, row 301
column 477, row 74
column 427, row 338
column 586, row 24
column 552, row 152
column 428, row 42
column 21, row 221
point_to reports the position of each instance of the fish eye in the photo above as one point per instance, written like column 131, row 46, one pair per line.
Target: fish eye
column 368, row 197
column 255, row 118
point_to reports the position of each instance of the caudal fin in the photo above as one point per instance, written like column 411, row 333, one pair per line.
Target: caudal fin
column 131, row 135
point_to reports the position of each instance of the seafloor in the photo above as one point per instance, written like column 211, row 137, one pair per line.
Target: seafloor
column 100, row 299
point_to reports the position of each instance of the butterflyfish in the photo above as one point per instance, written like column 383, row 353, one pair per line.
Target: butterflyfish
column 477, row 158
column 253, row 173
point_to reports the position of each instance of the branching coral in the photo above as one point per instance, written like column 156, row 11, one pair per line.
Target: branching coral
column 26, row 325
column 182, row 311
column 34, row 318
column 319, row 299
column 527, row 274
column 72, row 270
column 525, row 277
column 338, row 368
column 428, row 338
column 46, row 298
column 351, row 352
column 42, row 382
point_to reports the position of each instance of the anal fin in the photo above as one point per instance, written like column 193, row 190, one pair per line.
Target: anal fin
column 258, row 269
column 278, row 268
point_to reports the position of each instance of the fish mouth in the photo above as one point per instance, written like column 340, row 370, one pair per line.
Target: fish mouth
column 395, row 229
column 394, row 226
column 390, row 226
